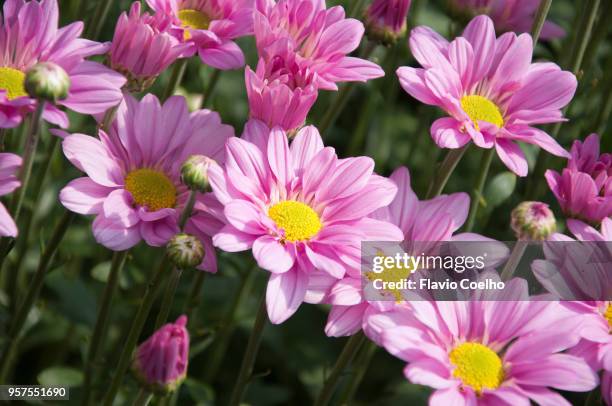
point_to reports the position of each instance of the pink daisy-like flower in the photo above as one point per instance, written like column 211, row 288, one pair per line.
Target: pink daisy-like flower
column 320, row 37
column 29, row 34
column 210, row 26
column 133, row 182
column 595, row 315
column 422, row 223
column 584, row 188
column 142, row 47
column 9, row 166
column 509, row 15
column 490, row 89
column 280, row 92
column 301, row 210
column 490, row 353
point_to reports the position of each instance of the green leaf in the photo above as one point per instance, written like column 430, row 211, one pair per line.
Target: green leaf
column 60, row 376
column 499, row 189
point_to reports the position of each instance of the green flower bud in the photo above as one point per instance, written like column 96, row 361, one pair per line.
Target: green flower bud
column 194, row 172
column 533, row 221
column 185, row 251
column 47, row 81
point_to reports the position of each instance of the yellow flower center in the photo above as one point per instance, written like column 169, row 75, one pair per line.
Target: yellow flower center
column 391, row 275
column 12, row 81
column 299, row 221
column 608, row 315
column 193, row 19
column 477, row 366
column 151, row 188
column 480, row 108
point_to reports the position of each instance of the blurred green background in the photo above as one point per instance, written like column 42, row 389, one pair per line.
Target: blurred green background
column 380, row 120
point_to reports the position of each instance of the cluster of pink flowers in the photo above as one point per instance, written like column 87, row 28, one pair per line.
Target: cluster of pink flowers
column 301, row 209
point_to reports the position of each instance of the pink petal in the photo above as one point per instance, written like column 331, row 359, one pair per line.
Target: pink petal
column 512, row 156
column 273, row 256
column 284, row 294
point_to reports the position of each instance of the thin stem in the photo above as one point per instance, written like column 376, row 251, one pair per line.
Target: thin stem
column 127, row 346
column 364, row 358
column 176, row 77
column 99, row 332
column 346, row 357
column 539, row 20
column 188, row 209
column 248, row 360
column 168, row 298
column 98, row 19
column 143, row 398
column 445, row 170
column 515, row 258
column 34, row 289
column 193, row 299
column 487, row 158
column 210, row 89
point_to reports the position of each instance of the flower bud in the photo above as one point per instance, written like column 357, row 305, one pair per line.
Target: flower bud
column 47, row 81
column 185, row 251
column 160, row 363
column 194, row 172
column 385, row 20
column 533, row 221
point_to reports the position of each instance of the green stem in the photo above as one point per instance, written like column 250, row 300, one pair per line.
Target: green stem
column 176, row 77
column 364, row 358
column 487, row 158
column 143, row 398
column 210, row 89
column 539, row 20
column 248, row 360
column 96, row 23
column 168, row 298
column 127, row 346
column 34, row 289
column 99, row 332
column 445, row 170
column 193, row 299
column 188, row 209
column 346, row 357
column 515, row 258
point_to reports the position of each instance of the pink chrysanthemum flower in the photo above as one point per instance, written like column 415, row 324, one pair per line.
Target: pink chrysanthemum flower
column 28, row 35
column 210, row 26
column 301, row 210
column 280, row 92
column 160, row 363
column 386, row 19
column 596, row 315
column 133, row 184
column 9, row 165
column 320, row 37
column 490, row 353
column 142, row 47
column 508, row 15
column 422, row 223
column 489, row 88
column 584, row 187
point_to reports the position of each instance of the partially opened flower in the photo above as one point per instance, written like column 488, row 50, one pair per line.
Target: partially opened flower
column 301, row 210
column 584, row 188
column 533, row 221
column 490, row 353
column 29, row 34
column 133, row 183
column 320, row 37
column 160, row 363
column 143, row 47
column 9, row 166
column 210, row 26
column 422, row 223
column 490, row 89
column 386, row 20
column 508, row 15
column 280, row 92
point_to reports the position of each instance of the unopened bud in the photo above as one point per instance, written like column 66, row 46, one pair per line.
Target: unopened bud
column 194, row 172
column 185, row 251
column 47, row 81
column 533, row 221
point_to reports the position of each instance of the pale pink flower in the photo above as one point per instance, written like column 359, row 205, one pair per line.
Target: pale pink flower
column 280, row 92
column 301, row 210
column 509, row 15
column 584, row 188
column 422, row 223
column 160, row 363
column 210, row 26
column 490, row 353
column 142, row 47
column 320, row 37
column 9, row 166
column 29, row 34
column 490, row 88
column 133, row 184
column 386, row 19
